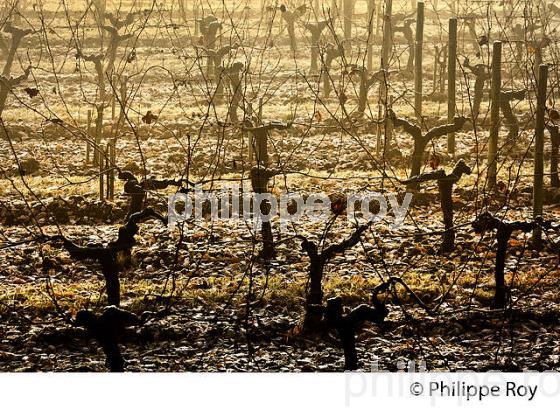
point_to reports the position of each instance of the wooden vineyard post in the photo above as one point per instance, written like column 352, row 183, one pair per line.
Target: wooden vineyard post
column 369, row 46
column 443, row 68
column 385, row 53
column 113, row 162
column 17, row 13
column 436, row 67
column 379, row 20
column 101, row 161
column 348, row 6
column 554, row 131
column 250, row 139
column 387, row 34
column 390, row 125
column 110, row 168
column 386, row 48
column 280, row 23
column 106, row 171
column 451, row 81
column 123, row 93
column 260, row 141
column 183, row 7
column 100, row 9
column 261, row 145
column 195, row 13
column 363, row 91
column 260, row 113
column 381, row 146
column 494, row 113
column 537, row 64
column 418, row 60
column 334, row 7
column 235, row 75
column 262, row 150
column 88, row 144
column 538, row 173
column 98, row 136
column 115, row 80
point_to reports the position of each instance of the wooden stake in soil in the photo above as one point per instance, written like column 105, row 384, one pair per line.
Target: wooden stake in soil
column 554, row 132
column 348, row 6
column 260, row 114
column 436, row 69
column 451, row 81
column 100, row 7
column 183, row 10
column 110, row 165
column 385, row 53
column 98, row 136
column 334, row 10
column 379, row 21
column 123, row 94
column 101, row 161
column 88, row 144
column 418, row 60
column 234, row 74
column 383, row 145
column 107, row 168
column 114, row 100
column 369, row 46
column 539, row 157
column 387, row 35
column 494, row 113
column 196, row 24
column 249, row 135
